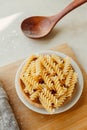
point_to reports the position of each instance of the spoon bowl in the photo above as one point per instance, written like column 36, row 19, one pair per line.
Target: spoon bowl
column 36, row 27
column 40, row 26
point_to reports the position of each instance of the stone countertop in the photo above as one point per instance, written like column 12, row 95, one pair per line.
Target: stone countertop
column 72, row 29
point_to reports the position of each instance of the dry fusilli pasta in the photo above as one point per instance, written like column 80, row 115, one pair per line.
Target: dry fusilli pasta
column 49, row 80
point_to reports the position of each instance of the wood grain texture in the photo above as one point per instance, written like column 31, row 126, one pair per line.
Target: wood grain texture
column 73, row 119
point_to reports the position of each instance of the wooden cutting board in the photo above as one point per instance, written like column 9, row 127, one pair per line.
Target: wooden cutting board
column 73, row 119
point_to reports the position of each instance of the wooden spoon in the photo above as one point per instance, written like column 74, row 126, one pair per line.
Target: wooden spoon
column 40, row 26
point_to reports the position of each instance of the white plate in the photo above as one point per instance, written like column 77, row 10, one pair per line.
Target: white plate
column 63, row 108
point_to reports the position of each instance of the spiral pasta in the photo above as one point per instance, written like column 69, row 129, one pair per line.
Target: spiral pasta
column 33, row 68
column 38, row 66
column 25, row 67
column 72, row 85
column 49, row 81
column 60, row 90
column 62, row 100
column 50, row 96
column 58, row 60
column 34, row 95
column 46, row 103
column 55, row 66
column 69, row 78
column 47, row 65
column 28, row 87
column 67, row 66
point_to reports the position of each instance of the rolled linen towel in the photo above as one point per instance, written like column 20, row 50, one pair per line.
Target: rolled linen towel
column 7, row 118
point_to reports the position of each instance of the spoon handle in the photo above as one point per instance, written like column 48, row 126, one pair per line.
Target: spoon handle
column 69, row 8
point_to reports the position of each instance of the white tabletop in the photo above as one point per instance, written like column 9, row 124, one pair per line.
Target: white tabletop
column 72, row 29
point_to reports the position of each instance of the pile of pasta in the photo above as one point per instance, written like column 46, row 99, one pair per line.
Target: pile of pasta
column 48, row 80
